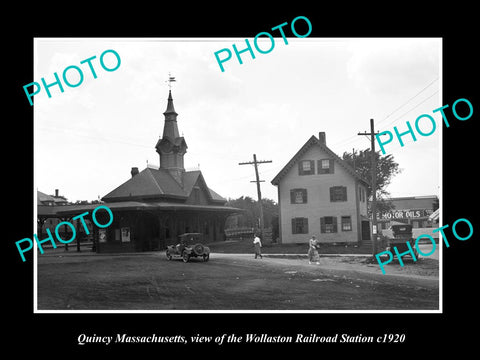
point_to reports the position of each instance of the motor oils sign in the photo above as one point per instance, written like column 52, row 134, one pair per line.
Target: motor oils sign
column 404, row 214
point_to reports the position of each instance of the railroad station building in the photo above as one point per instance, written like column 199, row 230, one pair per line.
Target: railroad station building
column 320, row 194
column 157, row 204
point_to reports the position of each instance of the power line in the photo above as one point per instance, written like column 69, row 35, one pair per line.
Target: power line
column 405, row 103
column 405, row 113
column 353, row 138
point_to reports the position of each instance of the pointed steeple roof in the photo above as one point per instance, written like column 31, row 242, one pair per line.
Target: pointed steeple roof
column 170, row 108
column 171, row 146
column 170, row 128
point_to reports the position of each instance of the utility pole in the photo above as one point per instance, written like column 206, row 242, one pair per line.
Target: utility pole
column 353, row 158
column 255, row 163
column 374, row 185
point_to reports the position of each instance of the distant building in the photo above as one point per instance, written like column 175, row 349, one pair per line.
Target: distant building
column 320, row 194
column 49, row 215
column 47, row 206
column 414, row 210
column 51, row 200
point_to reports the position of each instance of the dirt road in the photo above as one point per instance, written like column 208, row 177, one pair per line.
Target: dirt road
column 147, row 281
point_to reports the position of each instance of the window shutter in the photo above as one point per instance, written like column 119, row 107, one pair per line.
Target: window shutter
column 312, row 167
column 322, row 225
column 305, row 225
column 293, row 226
column 332, row 164
column 344, row 193
column 292, row 196
column 332, row 194
column 300, row 169
column 304, row 195
column 334, row 220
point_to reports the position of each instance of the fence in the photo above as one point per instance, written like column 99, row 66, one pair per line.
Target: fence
column 239, row 233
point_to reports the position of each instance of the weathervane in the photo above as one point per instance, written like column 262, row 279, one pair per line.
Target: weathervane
column 170, row 80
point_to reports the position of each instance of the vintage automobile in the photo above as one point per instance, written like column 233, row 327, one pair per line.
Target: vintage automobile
column 189, row 246
column 402, row 233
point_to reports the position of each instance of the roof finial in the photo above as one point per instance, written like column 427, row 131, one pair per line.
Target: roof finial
column 170, row 80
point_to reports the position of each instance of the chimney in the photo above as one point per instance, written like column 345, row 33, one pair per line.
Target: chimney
column 322, row 138
column 134, row 171
column 56, row 192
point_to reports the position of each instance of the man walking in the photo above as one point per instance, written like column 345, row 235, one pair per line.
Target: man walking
column 258, row 245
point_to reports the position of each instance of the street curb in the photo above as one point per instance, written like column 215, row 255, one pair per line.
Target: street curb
column 321, row 255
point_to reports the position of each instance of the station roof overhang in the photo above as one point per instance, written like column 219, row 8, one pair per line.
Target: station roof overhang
column 67, row 210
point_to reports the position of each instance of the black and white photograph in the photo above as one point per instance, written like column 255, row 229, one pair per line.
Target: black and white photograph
column 213, row 190
column 161, row 140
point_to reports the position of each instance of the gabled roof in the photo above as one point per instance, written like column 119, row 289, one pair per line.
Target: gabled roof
column 42, row 197
column 159, row 183
column 313, row 141
column 190, row 178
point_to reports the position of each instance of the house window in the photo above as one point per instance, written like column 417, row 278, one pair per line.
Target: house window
column 338, row 193
column 299, row 226
column 306, row 167
column 298, row 196
column 328, row 224
column 325, row 166
column 346, row 223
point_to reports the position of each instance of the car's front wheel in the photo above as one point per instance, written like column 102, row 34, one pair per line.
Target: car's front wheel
column 185, row 257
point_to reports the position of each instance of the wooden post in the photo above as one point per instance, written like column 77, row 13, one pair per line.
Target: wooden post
column 374, row 185
column 258, row 181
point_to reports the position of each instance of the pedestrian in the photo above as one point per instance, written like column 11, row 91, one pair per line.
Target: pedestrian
column 257, row 244
column 312, row 250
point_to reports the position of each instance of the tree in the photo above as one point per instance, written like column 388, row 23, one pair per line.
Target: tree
column 387, row 168
column 249, row 218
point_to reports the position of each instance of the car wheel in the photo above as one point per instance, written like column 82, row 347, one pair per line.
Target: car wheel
column 185, row 257
column 198, row 249
column 206, row 257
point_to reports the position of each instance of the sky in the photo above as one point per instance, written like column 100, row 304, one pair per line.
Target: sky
column 87, row 139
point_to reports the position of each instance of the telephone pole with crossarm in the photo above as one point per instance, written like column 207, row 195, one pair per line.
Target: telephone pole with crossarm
column 255, row 163
column 374, row 185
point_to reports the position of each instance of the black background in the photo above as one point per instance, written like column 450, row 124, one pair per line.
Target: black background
column 56, row 334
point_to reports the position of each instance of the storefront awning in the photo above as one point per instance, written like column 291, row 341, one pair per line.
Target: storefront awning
column 435, row 215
